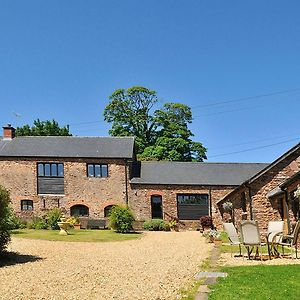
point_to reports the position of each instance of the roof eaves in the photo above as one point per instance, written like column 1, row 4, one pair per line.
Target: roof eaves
column 263, row 171
column 290, row 180
column 274, row 163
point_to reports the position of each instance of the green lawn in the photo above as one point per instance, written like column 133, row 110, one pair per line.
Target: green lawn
column 75, row 235
column 258, row 282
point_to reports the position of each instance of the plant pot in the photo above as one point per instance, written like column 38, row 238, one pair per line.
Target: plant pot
column 218, row 243
column 77, row 226
column 175, row 228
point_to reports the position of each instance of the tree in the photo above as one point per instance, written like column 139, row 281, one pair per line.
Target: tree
column 5, row 213
column 43, row 128
column 161, row 134
column 129, row 113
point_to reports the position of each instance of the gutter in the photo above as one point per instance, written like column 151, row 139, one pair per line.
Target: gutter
column 126, row 182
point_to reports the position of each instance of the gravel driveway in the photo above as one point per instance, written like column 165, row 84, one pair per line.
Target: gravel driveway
column 153, row 267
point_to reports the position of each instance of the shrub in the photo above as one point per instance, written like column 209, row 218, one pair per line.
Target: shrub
column 37, row 223
column 13, row 221
column 121, row 219
column 206, row 221
column 52, row 217
column 5, row 214
column 156, row 225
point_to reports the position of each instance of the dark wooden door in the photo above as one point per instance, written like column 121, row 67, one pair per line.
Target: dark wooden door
column 156, row 207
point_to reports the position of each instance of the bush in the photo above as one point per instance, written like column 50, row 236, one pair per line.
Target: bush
column 121, row 219
column 52, row 217
column 5, row 214
column 206, row 221
column 13, row 221
column 156, row 225
column 37, row 223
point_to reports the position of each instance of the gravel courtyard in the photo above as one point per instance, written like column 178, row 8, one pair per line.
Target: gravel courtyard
column 155, row 266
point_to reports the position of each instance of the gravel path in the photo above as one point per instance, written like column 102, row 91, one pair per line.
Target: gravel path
column 153, row 267
column 228, row 261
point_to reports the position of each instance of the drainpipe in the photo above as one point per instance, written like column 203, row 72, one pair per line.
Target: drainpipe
column 286, row 213
column 126, row 182
column 210, row 204
column 250, row 196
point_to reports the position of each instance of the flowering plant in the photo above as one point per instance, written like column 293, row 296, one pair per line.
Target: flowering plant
column 227, row 206
column 212, row 233
column 297, row 192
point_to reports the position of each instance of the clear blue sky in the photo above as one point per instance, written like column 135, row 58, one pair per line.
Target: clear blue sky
column 62, row 59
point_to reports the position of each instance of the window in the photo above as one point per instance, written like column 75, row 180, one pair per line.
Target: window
column 50, row 170
column 50, row 178
column 156, row 207
column 97, row 170
column 243, row 202
column 26, row 205
column 192, row 206
column 80, row 210
column 107, row 210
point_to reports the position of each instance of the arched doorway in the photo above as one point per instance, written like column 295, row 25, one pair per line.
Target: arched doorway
column 107, row 210
column 156, row 207
column 80, row 210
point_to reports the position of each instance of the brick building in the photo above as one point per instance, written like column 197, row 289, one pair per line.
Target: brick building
column 269, row 194
column 85, row 176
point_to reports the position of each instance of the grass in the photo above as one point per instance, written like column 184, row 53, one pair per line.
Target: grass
column 259, row 283
column 235, row 249
column 189, row 292
column 75, row 235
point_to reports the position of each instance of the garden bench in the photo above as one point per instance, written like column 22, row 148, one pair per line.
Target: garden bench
column 96, row 224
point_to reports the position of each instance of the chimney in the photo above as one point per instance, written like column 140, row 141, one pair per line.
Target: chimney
column 8, row 132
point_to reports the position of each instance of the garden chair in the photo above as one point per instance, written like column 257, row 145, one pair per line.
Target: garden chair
column 274, row 236
column 291, row 241
column 251, row 237
column 232, row 236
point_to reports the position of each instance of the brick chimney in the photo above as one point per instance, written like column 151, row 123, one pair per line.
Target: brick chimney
column 8, row 132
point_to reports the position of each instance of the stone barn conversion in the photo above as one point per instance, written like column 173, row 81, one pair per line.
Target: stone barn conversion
column 86, row 176
column 269, row 194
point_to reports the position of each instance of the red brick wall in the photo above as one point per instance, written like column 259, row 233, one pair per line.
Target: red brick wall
column 265, row 209
column 140, row 199
column 20, row 178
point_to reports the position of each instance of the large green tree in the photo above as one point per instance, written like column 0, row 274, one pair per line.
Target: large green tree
column 161, row 134
column 43, row 128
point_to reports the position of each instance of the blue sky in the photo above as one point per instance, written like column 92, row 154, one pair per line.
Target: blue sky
column 62, row 59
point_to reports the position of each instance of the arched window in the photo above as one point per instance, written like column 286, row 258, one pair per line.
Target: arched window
column 26, row 205
column 107, row 210
column 80, row 210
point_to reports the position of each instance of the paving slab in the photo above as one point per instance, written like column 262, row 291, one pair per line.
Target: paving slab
column 210, row 274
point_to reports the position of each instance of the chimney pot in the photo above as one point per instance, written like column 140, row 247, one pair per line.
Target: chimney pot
column 8, row 132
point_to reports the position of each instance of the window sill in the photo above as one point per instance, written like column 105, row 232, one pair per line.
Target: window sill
column 55, row 195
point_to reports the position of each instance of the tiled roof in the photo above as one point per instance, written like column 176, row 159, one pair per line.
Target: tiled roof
column 58, row 146
column 190, row 173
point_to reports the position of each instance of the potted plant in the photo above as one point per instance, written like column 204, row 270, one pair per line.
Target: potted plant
column 173, row 224
column 227, row 206
column 213, row 236
column 74, row 222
